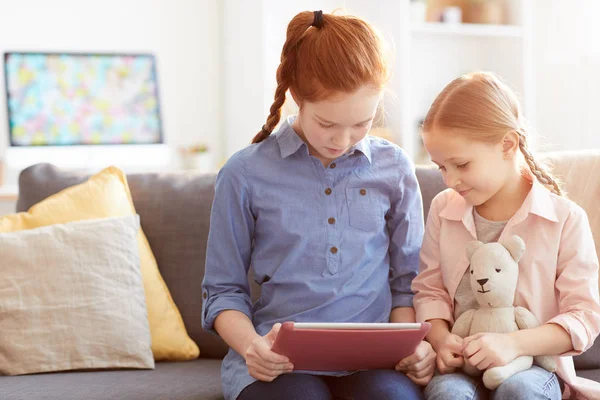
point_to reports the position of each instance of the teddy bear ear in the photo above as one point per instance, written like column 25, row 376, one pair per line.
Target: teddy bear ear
column 472, row 248
column 515, row 246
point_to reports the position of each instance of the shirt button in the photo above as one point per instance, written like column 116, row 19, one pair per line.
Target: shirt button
column 332, row 165
column 204, row 296
column 328, row 191
column 363, row 192
column 331, row 221
column 333, row 250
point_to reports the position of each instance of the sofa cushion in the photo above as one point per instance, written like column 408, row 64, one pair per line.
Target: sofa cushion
column 107, row 194
column 188, row 380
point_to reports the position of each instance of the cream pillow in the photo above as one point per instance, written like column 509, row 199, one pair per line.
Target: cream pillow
column 72, row 297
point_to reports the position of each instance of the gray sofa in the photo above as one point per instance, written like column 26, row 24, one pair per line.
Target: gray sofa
column 174, row 210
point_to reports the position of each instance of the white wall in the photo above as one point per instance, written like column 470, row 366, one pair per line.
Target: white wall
column 183, row 34
column 567, row 62
column 243, row 76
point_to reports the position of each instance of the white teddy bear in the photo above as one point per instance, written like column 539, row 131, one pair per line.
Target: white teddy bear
column 494, row 273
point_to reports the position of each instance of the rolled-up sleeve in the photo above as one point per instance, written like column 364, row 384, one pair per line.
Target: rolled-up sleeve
column 577, row 283
column 225, row 285
column 405, row 224
column 431, row 301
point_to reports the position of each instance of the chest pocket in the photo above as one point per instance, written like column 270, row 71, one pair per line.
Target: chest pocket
column 365, row 208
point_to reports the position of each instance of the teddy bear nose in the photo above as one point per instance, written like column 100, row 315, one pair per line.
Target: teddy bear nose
column 482, row 281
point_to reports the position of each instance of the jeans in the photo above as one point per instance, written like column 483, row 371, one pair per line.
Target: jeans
column 368, row 385
column 534, row 383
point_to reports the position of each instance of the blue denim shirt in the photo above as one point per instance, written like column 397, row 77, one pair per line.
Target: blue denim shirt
column 327, row 244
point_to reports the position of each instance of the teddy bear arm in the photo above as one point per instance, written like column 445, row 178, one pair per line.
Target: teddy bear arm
column 462, row 326
column 525, row 318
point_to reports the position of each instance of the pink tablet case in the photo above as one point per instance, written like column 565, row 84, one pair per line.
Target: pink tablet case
column 345, row 349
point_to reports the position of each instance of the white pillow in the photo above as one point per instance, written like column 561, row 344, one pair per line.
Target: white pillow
column 71, row 297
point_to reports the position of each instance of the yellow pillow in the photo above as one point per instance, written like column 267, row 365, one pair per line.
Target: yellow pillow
column 104, row 195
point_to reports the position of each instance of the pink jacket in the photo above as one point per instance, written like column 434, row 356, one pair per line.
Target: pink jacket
column 558, row 279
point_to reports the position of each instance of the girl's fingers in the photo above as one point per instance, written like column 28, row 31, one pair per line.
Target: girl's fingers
column 264, row 352
column 442, row 367
column 471, row 348
column 420, row 365
column 406, row 363
column 268, row 360
column 452, row 361
column 422, row 352
column 483, row 365
column 470, row 339
column 455, row 344
column 476, row 358
column 266, row 373
column 277, row 367
column 420, row 381
column 422, row 373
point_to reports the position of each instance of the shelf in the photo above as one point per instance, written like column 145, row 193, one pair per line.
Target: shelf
column 437, row 28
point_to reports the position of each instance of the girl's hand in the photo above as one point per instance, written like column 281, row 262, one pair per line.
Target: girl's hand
column 449, row 354
column 263, row 364
column 419, row 367
column 487, row 350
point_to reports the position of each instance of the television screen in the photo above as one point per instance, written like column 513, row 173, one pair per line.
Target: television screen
column 81, row 99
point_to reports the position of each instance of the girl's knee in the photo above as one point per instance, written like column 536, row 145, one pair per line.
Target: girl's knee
column 454, row 386
column 518, row 388
column 515, row 390
column 305, row 386
column 398, row 387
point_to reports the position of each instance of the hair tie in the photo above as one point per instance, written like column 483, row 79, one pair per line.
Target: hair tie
column 264, row 130
column 318, row 21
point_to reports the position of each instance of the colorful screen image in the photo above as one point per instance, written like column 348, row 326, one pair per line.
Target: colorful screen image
column 81, row 99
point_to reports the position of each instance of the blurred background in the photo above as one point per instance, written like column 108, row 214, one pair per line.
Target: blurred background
column 161, row 85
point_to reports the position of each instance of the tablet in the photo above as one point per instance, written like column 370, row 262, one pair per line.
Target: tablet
column 348, row 346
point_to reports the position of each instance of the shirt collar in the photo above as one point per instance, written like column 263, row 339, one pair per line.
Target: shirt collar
column 538, row 201
column 364, row 146
column 289, row 141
